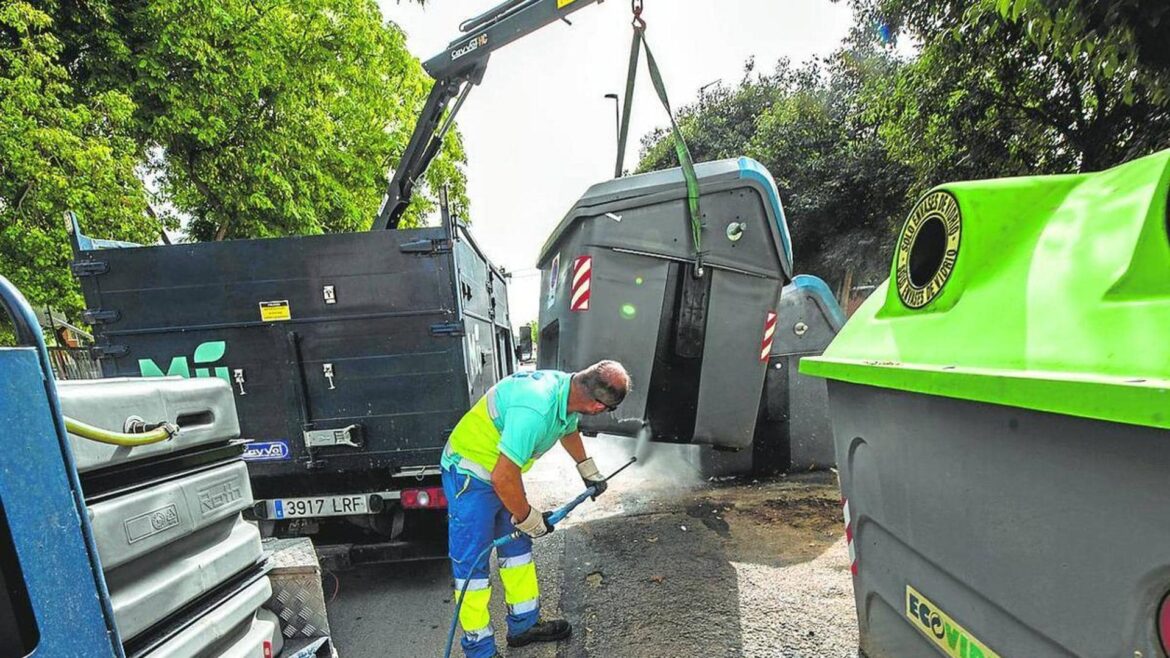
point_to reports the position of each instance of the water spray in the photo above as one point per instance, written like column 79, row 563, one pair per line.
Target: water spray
column 642, row 448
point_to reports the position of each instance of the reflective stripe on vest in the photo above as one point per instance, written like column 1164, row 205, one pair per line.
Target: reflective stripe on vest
column 492, row 409
column 467, row 465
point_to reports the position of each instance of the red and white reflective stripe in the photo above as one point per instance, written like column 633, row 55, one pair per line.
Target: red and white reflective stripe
column 582, row 280
column 849, row 538
column 769, row 333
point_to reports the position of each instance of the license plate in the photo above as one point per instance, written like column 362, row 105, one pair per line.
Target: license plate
column 292, row 508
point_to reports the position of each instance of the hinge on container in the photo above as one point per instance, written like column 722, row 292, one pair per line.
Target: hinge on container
column 100, row 316
column 116, row 351
column 427, row 247
column 89, row 267
column 455, row 329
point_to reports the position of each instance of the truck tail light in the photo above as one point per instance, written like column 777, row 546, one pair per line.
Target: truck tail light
column 427, row 498
column 1164, row 625
column 267, row 649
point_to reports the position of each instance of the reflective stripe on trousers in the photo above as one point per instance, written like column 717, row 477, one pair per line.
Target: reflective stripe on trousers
column 476, row 517
column 521, row 591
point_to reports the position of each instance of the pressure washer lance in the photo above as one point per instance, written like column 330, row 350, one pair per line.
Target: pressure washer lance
column 553, row 519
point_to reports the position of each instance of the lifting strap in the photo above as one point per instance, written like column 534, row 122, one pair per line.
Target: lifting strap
column 680, row 144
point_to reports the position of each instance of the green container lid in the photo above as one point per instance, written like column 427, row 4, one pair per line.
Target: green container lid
column 1047, row 292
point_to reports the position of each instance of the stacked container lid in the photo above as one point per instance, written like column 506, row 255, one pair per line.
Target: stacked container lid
column 185, row 571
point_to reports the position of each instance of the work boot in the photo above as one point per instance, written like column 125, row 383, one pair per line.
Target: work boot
column 544, row 631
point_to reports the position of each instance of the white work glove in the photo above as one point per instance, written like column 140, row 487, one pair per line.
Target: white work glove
column 534, row 525
column 592, row 477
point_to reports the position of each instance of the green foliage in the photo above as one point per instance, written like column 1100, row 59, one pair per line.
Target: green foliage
column 1123, row 39
column 58, row 152
column 248, row 118
column 996, row 88
column 986, row 99
column 841, row 191
column 263, row 118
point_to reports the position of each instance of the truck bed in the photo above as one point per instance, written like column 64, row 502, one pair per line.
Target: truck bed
column 351, row 356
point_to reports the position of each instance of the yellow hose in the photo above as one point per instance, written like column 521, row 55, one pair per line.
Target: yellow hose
column 86, row 431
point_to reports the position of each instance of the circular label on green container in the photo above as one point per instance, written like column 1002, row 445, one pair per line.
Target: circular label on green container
column 928, row 248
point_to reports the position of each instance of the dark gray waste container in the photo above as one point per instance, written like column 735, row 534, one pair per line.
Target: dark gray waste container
column 619, row 281
column 810, row 318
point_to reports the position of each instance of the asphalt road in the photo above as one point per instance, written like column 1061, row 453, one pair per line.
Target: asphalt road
column 664, row 564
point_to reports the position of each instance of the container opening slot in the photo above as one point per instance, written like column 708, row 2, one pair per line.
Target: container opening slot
column 927, row 252
column 195, row 419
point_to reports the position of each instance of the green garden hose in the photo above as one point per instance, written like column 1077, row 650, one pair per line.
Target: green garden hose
column 162, row 432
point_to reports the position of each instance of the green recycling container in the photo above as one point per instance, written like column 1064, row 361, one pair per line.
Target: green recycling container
column 1000, row 411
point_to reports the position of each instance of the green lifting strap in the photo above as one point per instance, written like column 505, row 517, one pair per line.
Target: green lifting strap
column 680, row 144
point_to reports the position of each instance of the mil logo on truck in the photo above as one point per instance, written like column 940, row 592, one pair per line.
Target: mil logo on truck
column 954, row 640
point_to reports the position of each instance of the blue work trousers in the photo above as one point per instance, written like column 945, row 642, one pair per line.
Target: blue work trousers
column 476, row 516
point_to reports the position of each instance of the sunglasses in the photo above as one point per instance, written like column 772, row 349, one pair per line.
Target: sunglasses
column 608, row 407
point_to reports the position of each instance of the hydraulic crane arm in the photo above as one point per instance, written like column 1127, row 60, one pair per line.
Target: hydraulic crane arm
column 456, row 70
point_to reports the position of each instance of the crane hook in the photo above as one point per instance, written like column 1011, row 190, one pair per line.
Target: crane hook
column 636, row 7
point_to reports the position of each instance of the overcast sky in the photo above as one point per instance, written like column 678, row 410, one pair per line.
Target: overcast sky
column 539, row 130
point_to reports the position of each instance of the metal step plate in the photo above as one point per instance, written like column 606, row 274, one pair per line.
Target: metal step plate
column 149, row 589
column 133, row 525
column 203, row 408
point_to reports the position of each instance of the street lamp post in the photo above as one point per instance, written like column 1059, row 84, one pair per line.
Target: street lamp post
column 703, row 89
column 617, row 118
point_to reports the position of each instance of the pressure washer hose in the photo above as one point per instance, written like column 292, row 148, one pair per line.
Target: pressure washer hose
column 553, row 519
column 161, row 433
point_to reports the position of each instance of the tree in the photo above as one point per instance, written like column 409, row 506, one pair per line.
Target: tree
column 983, row 99
column 1124, row 39
column 262, row 117
column 721, row 123
column 841, row 192
column 249, row 118
column 58, row 152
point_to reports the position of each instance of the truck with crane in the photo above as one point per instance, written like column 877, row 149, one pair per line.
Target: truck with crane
column 351, row 356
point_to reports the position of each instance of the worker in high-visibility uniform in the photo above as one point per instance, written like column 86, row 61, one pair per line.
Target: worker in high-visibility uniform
column 519, row 419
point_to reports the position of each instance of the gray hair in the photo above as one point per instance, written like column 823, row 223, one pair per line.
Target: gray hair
column 605, row 381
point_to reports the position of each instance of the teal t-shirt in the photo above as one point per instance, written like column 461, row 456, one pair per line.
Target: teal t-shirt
column 533, row 408
column 530, row 416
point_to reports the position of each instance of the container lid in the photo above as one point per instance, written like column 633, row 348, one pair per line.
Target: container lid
column 1049, row 293
column 712, row 175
